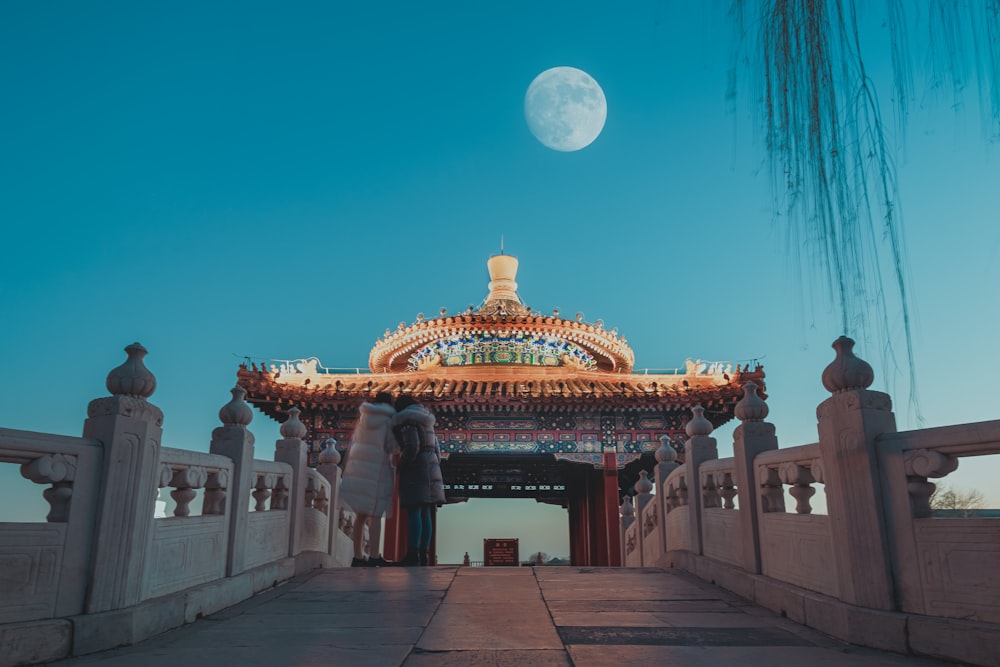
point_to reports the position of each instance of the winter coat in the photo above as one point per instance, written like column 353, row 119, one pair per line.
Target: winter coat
column 368, row 473
column 420, row 481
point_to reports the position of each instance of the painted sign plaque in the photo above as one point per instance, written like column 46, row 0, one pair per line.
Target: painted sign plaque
column 500, row 552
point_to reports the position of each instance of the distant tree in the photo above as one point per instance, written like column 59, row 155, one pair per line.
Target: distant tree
column 965, row 502
column 537, row 558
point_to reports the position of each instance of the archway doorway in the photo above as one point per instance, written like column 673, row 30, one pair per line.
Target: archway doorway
column 462, row 527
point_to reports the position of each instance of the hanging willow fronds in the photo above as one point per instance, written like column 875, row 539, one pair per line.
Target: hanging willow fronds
column 832, row 164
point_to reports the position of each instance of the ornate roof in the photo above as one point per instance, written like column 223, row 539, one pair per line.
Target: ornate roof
column 501, row 355
column 502, row 331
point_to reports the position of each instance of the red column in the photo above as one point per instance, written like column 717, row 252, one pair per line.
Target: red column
column 394, row 543
column 611, row 520
column 581, row 516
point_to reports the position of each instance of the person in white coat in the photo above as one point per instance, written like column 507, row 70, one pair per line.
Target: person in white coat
column 369, row 474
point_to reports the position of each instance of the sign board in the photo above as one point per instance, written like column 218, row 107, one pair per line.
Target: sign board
column 500, row 552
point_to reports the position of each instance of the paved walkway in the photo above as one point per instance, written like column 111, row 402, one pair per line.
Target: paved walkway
column 471, row 617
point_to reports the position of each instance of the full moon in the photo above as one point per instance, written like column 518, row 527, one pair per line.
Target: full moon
column 565, row 108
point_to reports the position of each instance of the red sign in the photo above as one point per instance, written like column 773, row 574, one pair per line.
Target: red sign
column 500, row 552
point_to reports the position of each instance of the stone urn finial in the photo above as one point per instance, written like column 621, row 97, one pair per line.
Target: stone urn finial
column 132, row 378
column 751, row 407
column 699, row 424
column 293, row 428
column 627, row 508
column 666, row 453
column 847, row 371
column 329, row 454
column 643, row 485
column 236, row 412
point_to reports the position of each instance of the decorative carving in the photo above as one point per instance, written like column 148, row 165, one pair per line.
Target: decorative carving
column 728, row 491
column 132, row 378
column 772, row 495
column 847, row 371
column 293, row 428
column 320, row 501
column 125, row 406
column 650, row 519
column 643, row 485
column 185, row 481
column 682, row 491
column 919, row 465
column 215, row 492
column 751, row 407
column 801, row 479
column 666, row 453
column 698, row 425
column 329, row 455
column 279, row 501
column 311, row 490
column 236, row 412
column 710, row 492
column 59, row 470
column 627, row 508
column 262, row 491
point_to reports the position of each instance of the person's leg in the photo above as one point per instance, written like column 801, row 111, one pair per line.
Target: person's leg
column 427, row 528
column 414, row 535
column 358, row 537
column 375, row 541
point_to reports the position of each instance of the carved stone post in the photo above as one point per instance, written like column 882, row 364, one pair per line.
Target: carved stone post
column 750, row 438
column 293, row 451
column 628, row 518
column 130, row 429
column 643, row 497
column 666, row 457
column 234, row 441
column 699, row 448
column 329, row 466
column 849, row 423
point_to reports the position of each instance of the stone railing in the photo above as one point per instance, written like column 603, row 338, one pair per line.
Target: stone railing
column 837, row 535
column 107, row 569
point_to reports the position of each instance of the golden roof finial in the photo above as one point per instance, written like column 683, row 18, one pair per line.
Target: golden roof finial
column 503, row 298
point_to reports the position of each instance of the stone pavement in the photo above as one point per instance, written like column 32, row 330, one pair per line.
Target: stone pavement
column 470, row 617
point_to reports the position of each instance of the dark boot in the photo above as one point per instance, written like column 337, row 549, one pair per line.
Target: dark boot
column 422, row 555
column 411, row 559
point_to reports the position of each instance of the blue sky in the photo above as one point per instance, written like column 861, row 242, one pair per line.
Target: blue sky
column 243, row 179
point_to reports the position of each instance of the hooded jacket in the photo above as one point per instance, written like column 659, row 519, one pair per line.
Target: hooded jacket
column 368, row 472
column 420, row 481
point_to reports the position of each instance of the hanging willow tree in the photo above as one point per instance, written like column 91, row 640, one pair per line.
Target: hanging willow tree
column 830, row 151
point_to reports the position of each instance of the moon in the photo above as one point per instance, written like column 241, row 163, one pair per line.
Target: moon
column 565, row 108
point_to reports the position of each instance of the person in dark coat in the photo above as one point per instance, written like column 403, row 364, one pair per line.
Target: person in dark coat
column 421, row 486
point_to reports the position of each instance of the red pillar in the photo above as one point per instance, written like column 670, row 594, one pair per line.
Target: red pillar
column 394, row 543
column 581, row 516
column 611, row 520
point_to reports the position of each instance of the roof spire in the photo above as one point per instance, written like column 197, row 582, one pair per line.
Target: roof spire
column 503, row 298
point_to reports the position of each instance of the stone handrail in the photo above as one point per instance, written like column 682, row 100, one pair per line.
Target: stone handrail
column 796, row 467
column 949, row 557
column 103, row 551
column 718, row 483
column 272, row 481
column 879, row 567
column 71, row 469
column 186, row 472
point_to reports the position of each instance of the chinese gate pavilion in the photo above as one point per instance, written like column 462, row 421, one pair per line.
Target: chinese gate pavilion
column 527, row 406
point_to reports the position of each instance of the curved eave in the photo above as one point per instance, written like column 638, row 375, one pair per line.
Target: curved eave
column 516, row 388
column 390, row 354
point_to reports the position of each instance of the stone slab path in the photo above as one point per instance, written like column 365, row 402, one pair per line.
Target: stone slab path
column 478, row 617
